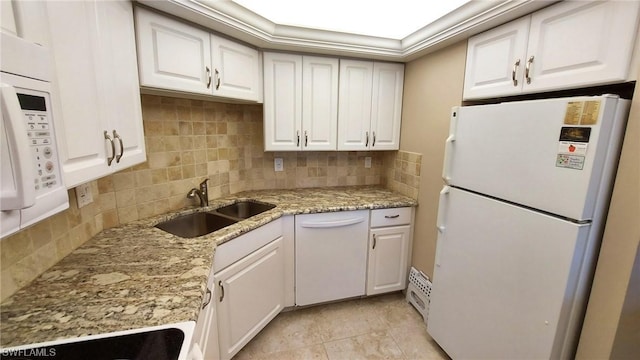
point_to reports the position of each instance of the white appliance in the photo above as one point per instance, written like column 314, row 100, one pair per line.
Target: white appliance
column 322, row 273
column 31, row 184
column 520, row 223
column 161, row 342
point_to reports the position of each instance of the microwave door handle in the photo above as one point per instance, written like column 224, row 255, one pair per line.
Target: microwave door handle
column 24, row 175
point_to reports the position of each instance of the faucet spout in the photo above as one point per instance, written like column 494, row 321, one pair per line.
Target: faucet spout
column 201, row 193
column 195, row 192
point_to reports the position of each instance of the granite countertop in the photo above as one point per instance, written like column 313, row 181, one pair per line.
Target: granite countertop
column 136, row 275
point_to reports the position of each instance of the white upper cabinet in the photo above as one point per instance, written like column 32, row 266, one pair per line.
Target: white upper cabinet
column 319, row 103
column 370, row 105
column 568, row 45
column 495, row 60
column 386, row 106
column 300, row 102
column 180, row 57
column 98, row 115
column 236, row 70
column 354, row 114
column 578, row 44
column 282, row 101
column 172, row 55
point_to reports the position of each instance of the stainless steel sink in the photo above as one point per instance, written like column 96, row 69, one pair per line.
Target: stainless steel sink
column 245, row 209
column 195, row 224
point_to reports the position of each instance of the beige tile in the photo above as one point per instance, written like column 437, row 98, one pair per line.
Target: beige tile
column 343, row 320
column 374, row 345
column 416, row 344
column 288, row 331
column 314, row 352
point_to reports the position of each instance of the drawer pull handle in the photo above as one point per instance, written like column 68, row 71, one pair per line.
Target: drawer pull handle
column 208, row 297
column 513, row 73
column 392, row 216
column 374, row 242
column 208, row 76
column 221, row 290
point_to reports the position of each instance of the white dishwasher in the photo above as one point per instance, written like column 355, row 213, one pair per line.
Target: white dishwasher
column 331, row 256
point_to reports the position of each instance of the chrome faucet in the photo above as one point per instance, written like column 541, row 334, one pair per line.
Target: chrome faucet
column 202, row 193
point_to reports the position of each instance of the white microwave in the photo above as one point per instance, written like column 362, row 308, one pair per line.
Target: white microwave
column 31, row 183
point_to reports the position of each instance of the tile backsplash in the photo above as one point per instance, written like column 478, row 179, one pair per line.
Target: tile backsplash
column 186, row 141
column 402, row 172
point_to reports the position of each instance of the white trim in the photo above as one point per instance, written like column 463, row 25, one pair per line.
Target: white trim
column 231, row 19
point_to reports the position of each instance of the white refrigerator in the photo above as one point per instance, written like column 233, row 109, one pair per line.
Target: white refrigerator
column 519, row 224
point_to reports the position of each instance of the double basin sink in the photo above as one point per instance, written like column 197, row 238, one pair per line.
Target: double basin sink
column 202, row 223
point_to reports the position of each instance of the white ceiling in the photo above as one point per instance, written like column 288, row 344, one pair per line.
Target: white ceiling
column 382, row 18
column 433, row 32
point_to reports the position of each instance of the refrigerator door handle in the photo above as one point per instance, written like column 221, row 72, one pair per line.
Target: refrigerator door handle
column 448, row 151
column 442, row 209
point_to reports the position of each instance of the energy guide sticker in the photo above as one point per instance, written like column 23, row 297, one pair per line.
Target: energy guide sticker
column 582, row 112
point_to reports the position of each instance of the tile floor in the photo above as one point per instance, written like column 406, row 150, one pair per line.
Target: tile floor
column 380, row 327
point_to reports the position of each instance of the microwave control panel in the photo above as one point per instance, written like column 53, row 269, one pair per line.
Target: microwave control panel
column 39, row 127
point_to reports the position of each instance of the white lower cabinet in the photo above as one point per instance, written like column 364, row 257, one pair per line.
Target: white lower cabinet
column 389, row 249
column 251, row 294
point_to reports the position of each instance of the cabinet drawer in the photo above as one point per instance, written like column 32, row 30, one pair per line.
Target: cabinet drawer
column 236, row 249
column 390, row 217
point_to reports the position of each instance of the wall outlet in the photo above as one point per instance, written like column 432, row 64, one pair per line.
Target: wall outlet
column 278, row 164
column 83, row 195
column 367, row 162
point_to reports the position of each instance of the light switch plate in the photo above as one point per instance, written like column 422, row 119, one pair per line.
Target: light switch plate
column 83, row 195
column 367, row 162
column 278, row 164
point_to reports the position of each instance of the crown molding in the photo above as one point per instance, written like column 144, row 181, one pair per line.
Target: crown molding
column 235, row 21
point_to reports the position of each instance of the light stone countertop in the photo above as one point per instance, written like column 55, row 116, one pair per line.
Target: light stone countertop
column 136, row 275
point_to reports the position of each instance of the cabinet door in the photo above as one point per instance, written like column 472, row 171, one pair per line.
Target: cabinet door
column 575, row 43
column 386, row 111
column 206, row 331
column 282, row 101
column 79, row 116
column 319, row 103
column 496, row 61
column 172, row 55
column 388, row 259
column 120, row 89
column 251, row 293
column 354, row 105
column 236, row 70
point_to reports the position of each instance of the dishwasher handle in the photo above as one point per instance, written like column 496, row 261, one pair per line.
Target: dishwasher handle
column 331, row 224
